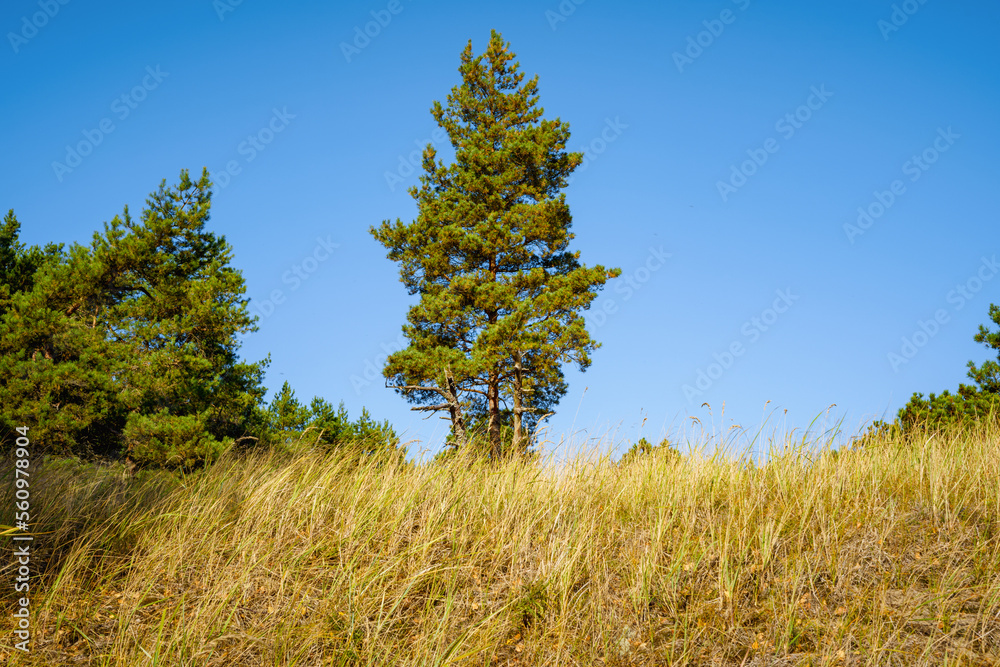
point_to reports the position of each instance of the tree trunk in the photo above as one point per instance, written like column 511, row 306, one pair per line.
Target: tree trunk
column 493, row 404
column 493, row 386
column 518, row 369
column 455, row 410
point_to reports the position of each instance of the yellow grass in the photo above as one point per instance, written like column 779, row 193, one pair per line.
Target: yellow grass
column 877, row 556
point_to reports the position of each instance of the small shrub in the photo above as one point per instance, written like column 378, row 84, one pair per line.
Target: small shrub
column 644, row 448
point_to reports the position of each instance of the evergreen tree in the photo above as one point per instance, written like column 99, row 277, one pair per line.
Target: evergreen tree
column 331, row 423
column 287, row 417
column 987, row 376
column 971, row 404
column 130, row 345
column 18, row 263
column 500, row 292
column 290, row 421
column 56, row 366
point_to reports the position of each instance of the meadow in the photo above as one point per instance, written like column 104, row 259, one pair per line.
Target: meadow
column 886, row 554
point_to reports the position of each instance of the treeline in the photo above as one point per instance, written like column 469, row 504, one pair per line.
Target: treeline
column 128, row 347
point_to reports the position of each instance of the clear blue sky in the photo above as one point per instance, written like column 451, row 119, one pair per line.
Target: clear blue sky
column 829, row 102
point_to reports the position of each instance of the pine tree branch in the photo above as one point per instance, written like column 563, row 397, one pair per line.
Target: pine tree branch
column 432, row 408
column 415, row 387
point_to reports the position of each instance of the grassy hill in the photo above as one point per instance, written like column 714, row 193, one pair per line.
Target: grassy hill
column 883, row 555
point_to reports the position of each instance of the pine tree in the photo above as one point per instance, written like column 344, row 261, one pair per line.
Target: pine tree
column 131, row 344
column 287, row 417
column 987, row 375
column 971, row 404
column 18, row 263
column 180, row 310
column 500, row 292
column 289, row 422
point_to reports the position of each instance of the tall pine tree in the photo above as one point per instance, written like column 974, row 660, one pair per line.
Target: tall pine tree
column 500, row 291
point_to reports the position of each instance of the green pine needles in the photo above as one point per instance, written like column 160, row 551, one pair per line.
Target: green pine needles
column 501, row 294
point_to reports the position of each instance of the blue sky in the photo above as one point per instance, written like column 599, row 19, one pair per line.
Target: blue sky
column 794, row 192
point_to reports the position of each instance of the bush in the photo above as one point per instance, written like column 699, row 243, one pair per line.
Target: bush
column 644, row 448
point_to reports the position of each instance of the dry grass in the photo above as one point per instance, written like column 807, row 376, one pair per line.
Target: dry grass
column 881, row 556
